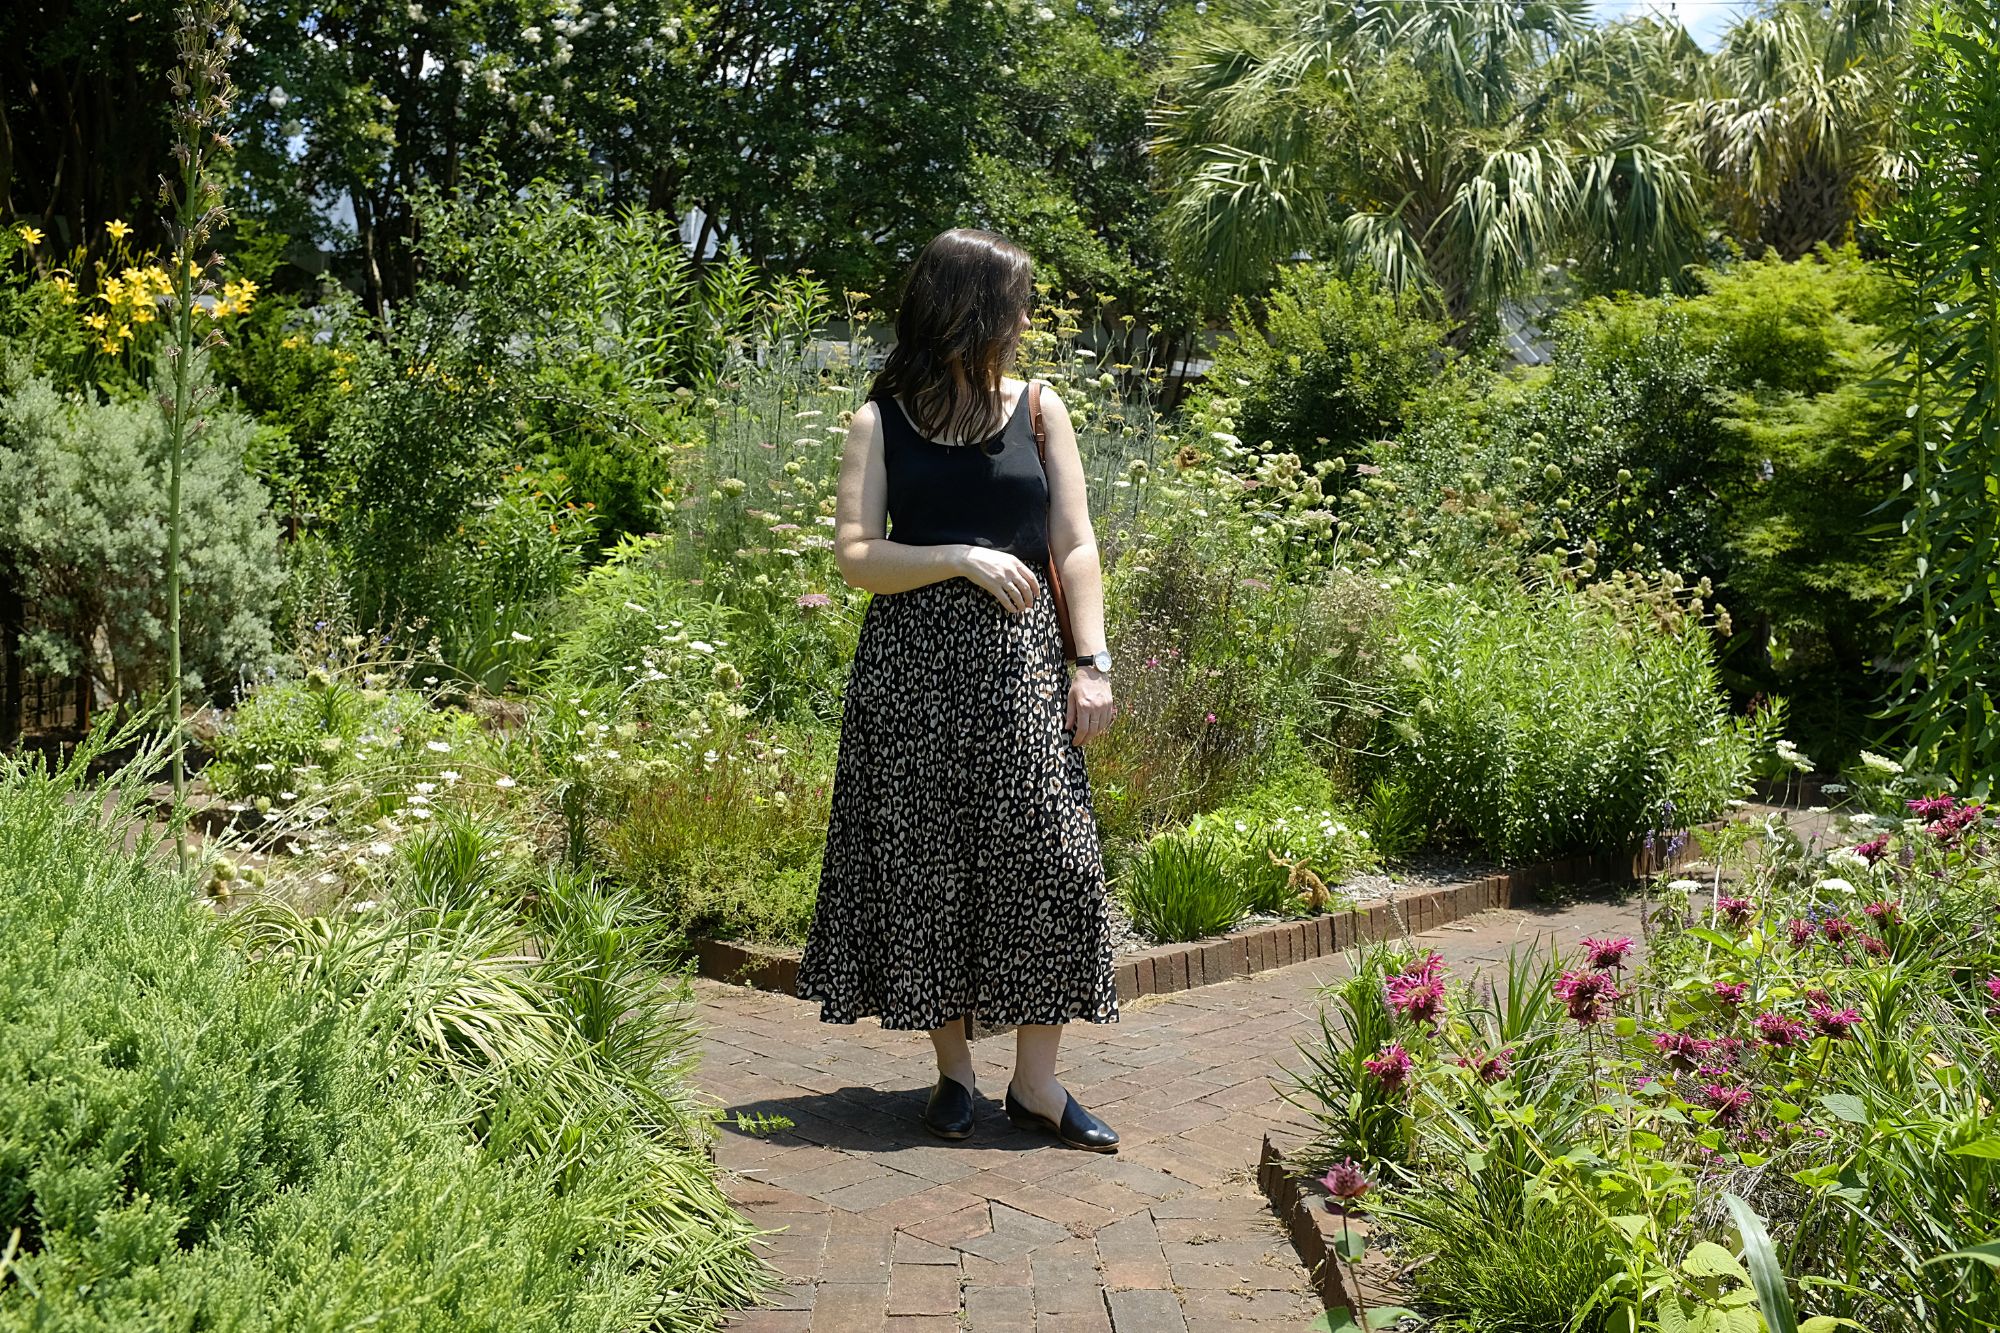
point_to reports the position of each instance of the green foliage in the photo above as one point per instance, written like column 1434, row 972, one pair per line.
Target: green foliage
column 1331, row 366
column 1285, row 841
column 1180, row 888
column 86, row 536
column 1942, row 237
column 193, row 1135
column 1544, row 721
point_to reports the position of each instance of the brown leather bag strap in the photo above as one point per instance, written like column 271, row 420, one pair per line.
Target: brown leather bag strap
column 1035, row 420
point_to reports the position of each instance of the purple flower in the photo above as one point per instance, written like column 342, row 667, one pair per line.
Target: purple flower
column 1346, row 1181
column 1492, row 1068
column 1681, row 1049
column 1391, row 1067
column 1838, row 1024
column 1418, row 996
column 1608, row 953
column 813, row 601
column 1836, row 928
column 1993, row 991
column 1883, row 914
column 1729, row 1103
column 1738, row 910
column 1731, row 992
column 1932, row 807
column 1873, row 850
column 1801, row 932
column 1779, row 1030
column 1874, row 946
column 1588, row 995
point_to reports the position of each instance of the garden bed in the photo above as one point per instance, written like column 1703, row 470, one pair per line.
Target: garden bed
column 1166, row 968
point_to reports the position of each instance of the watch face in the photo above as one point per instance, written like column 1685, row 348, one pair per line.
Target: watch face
column 1102, row 661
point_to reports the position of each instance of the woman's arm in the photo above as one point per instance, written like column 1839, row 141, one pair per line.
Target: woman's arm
column 867, row 559
column 1072, row 541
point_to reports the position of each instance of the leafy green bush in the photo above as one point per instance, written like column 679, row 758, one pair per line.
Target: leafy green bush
column 84, row 530
column 397, row 1120
column 1544, row 721
column 1286, row 840
column 1330, row 369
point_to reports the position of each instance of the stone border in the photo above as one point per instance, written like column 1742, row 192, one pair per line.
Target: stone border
column 1167, row 968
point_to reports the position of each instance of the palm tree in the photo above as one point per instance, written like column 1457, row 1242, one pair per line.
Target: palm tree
column 1800, row 130
column 1456, row 146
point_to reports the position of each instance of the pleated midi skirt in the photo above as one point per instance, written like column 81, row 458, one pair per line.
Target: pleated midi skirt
column 963, row 873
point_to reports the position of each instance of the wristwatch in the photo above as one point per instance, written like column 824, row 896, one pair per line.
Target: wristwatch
column 1101, row 659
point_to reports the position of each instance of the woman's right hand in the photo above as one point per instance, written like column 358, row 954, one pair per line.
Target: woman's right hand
column 1001, row 573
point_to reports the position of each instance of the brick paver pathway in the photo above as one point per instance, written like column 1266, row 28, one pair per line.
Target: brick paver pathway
column 886, row 1227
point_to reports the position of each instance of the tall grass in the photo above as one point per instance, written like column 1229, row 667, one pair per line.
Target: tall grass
column 395, row 1121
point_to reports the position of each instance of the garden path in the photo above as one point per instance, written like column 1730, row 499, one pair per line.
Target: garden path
column 887, row 1228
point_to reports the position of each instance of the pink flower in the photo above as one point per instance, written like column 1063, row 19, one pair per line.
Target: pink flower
column 1346, row 1181
column 1418, row 996
column 1932, row 807
column 813, row 600
column 1778, row 1030
column 1608, row 953
column 1993, row 991
column 1836, row 928
column 1492, row 1068
column 1954, row 825
column 1836, row 1023
column 1801, row 932
column 1391, row 1067
column 1883, row 914
column 1874, row 946
column 1681, row 1049
column 1729, row 1103
column 1589, row 995
column 1738, row 910
column 1731, row 992
column 1873, row 850
column 1211, row 717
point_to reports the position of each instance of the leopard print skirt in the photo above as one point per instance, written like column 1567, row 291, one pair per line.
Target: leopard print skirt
column 962, row 873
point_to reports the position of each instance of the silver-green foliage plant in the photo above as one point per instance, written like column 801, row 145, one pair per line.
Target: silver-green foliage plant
column 86, row 526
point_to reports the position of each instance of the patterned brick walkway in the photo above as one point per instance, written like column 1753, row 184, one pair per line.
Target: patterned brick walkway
column 889, row 1228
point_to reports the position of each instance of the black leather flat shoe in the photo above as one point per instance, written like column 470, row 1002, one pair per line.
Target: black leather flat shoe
column 1078, row 1127
column 949, row 1111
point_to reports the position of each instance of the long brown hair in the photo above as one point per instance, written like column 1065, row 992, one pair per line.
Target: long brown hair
column 958, row 326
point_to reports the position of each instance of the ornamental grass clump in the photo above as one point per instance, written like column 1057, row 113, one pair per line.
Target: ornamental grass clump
column 402, row 1114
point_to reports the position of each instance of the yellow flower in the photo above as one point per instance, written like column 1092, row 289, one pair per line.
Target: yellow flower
column 119, row 231
column 108, row 345
column 294, row 342
column 64, row 286
column 142, row 314
column 32, row 235
column 95, row 322
column 124, row 331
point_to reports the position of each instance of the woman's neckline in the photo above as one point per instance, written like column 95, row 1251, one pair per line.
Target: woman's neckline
column 1007, row 421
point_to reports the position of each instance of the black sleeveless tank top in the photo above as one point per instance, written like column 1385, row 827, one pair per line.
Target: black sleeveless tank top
column 993, row 493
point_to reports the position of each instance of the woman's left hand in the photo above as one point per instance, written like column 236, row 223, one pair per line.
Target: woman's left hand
column 1088, row 712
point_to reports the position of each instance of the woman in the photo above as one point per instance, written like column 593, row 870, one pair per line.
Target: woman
column 962, row 878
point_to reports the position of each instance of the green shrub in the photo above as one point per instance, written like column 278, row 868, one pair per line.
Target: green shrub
column 723, row 837
column 407, row 1130
column 84, row 530
column 1284, row 834
column 1331, row 367
column 1545, row 721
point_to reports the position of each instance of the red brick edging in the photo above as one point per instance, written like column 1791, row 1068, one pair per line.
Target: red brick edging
column 1173, row 967
column 1311, row 1228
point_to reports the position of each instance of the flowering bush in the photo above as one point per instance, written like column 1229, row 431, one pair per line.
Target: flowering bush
column 1822, row 1045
